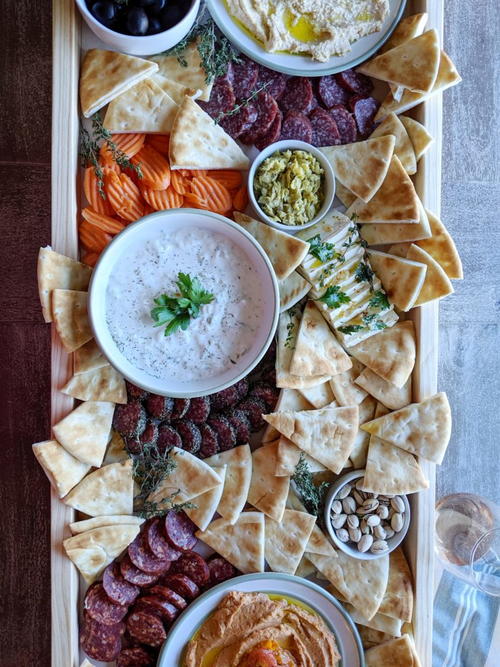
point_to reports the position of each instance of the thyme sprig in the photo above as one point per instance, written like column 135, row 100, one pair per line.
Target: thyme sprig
column 244, row 103
column 121, row 158
column 312, row 496
column 89, row 155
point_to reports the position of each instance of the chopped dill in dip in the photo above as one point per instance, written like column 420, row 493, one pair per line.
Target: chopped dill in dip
column 226, row 327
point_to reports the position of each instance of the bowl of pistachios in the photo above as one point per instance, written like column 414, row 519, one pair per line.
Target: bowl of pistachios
column 363, row 524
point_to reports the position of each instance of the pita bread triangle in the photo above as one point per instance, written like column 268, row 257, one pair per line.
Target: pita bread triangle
column 345, row 196
column 436, row 284
column 207, row 503
column 288, row 456
column 413, row 64
column 422, row 429
column 267, row 492
column 241, row 543
column 394, row 202
column 286, row 541
column 401, row 278
column 387, row 393
column 89, row 358
column 107, row 490
column 419, row 137
column 84, row 433
column 63, row 470
column 101, row 384
column 320, row 396
column 197, row 142
column 391, row 626
column 238, row 462
column 399, row 651
column 381, row 234
column 292, row 289
column 390, row 353
column 358, row 453
column 398, row 597
column 317, row 350
column 362, row 166
column 407, row 28
column 98, row 521
column 403, row 147
column 327, row 434
column 69, row 311
column 189, row 73
column 289, row 399
column 318, row 542
column 285, row 252
column 344, row 389
column 107, row 74
column 143, row 108
column 442, row 248
column 174, row 90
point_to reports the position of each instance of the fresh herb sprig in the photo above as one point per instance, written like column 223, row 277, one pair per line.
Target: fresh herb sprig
column 364, row 273
column 290, row 330
column 89, row 155
column 351, row 328
column 312, row 496
column 244, row 103
column 334, row 297
column 379, row 300
column 322, row 250
column 176, row 311
column 121, row 158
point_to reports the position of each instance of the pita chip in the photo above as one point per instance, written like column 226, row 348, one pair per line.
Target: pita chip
column 399, row 652
column 88, row 358
column 305, row 568
column 84, row 433
column 387, row 393
column 69, row 311
column 289, row 399
column 398, row 597
column 288, row 456
column 238, row 462
column 143, row 108
column 442, row 248
column 344, row 389
column 107, row 74
column 346, row 196
column 318, row 542
column 394, row 202
column 192, row 76
column 390, row 470
column 98, row 521
column 267, row 493
column 402, row 278
column 381, row 622
column 419, row 137
column 293, row 288
column 360, row 448
column 107, row 490
column 371, row 637
column 176, row 91
column 56, row 271
column 207, row 503
column 93, row 550
column 436, row 285
column 362, row 166
column 116, row 450
column 197, row 142
column 241, row 543
column 285, row 252
column 383, row 233
column 102, row 384
column 407, row 28
column 327, row 434
column 63, row 470
column 319, row 396
column 317, row 351
column 403, row 148
column 422, row 429
column 286, row 541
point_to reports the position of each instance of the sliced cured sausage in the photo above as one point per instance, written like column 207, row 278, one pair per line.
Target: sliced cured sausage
column 296, row 126
column 135, row 656
column 181, row 406
column 266, row 393
column 239, row 421
column 100, row 641
column 355, row 82
column 275, row 82
column 267, row 108
column 222, row 98
column 135, row 393
column 180, row 531
column 129, row 419
column 254, row 408
column 364, row 109
column 244, row 76
column 190, row 436
column 146, row 628
column 153, row 604
column 220, row 570
column 209, row 442
column 241, row 388
column 159, row 407
column 330, row 92
column 346, row 124
column 147, row 438
column 135, row 576
column 143, row 558
column 272, row 134
column 297, row 96
column 199, row 409
column 324, row 128
column 117, row 588
column 168, row 437
column 101, row 608
column 158, row 543
column 225, row 398
column 169, row 595
column 237, row 123
column 226, row 436
column 193, row 566
column 182, row 585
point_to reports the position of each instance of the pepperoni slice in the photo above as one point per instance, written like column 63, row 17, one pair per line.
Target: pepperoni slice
column 297, row 96
column 190, row 436
column 225, row 398
column 193, row 566
column 345, row 123
column 158, row 543
column 330, row 92
column 182, row 585
column 324, row 128
column 167, row 438
column 170, row 596
column 181, row 406
column 153, row 604
column 267, row 108
column 364, row 109
column 220, row 570
column 209, row 442
column 100, row 641
column 129, row 419
column 146, row 628
column 296, row 126
column 117, row 588
column 100, row 608
column 355, row 82
column 239, row 421
column 244, row 76
column 180, row 531
column 222, row 98
column 135, row 656
column 254, row 408
column 135, row 576
column 275, row 82
column 159, row 407
column 272, row 134
column 226, row 436
column 144, row 559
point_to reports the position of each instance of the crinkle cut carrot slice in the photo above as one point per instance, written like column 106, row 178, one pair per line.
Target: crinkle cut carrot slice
column 104, row 222
column 218, row 197
column 240, row 199
column 160, row 142
column 90, row 258
column 93, row 238
column 161, row 200
column 192, row 200
column 124, row 196
column 230, row 178
column 179, row 182
column 155, row 168
column 91, row 190
column 189, row 173
column 130, row 144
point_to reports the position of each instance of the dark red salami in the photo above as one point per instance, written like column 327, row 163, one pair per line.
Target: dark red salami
column 146, row 628
column 244, row 76
column 135, row 656
column 135, row 393
column 364, row 109
column 167, row 438
column 239, row 421
column 209, row 442
column 135, row 576
column 226, row 437
column 100, row 641
column 180, row 531
column 270, row 377
column 158, row 543
column 117, row 588
column 272, row 134
column 254, row 408
column 182, row 585
column 345, row 123
column 355, row 82
column 181, row 406
column 297, row 96
column 159, row 407
column 153, row 604
column 129, row 419
column 143, row 558
column 147, row 438
column 241, row 121
column 267, row 108
column 198, row 410
column 100, row 608
column 330, row 92
column 267, row 393
column 241, row 388
column 225, row 398
column 193, row 566
column 296, row 126
column 220, row 570
column 324, row 128
column 190, row 436
column 222, row 98
column 275, row 82
column 169, row 595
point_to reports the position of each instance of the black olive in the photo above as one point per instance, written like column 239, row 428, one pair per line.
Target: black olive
column 137, row 21
column 144, row 3
column 154, row 25
column 171, row 15
column 104, row 12
column 157, row 6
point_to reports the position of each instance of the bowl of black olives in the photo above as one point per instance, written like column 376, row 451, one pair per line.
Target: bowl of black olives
column 139, row 27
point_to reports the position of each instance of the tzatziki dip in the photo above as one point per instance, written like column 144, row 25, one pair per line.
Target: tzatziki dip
column 214, row 341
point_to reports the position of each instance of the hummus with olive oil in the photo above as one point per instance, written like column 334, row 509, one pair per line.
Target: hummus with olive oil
column 320, row 28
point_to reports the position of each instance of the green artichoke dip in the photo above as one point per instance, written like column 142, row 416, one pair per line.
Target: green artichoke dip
column 289, row 187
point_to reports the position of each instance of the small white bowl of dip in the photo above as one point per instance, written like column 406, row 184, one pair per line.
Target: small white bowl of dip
column 228, row 338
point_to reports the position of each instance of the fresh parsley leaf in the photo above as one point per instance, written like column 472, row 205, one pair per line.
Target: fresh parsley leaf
column 176, row 311
column 321, row 249
column 364, row 273
column 351, row 328
column 380, row 324
column 334, row 297
column 379, row 300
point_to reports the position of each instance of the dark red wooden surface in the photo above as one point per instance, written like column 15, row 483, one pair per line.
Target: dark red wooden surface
column 25, row 85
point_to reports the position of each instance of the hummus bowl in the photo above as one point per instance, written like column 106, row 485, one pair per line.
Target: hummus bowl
column 166, row 264
column 296, row 589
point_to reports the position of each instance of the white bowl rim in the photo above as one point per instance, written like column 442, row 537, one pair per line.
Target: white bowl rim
column 278, row 576
column 393, row 541
column 132, row 227
column 292, row 144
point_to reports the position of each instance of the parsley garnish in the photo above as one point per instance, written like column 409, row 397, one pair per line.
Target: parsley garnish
column 312, row 496
column 321, row 249
column 379, row 300
column 364, row 273
column 334, row 297
column 351, row 328
column 176, row 311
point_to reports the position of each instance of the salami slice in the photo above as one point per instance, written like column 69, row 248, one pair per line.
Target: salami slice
column 135, row 393
column 190, row 436
column 146, row 628
column 270, row 376
column 181, row 406
column 156, row 605
column 267, row 108
column 170, row 596
column 345, row 123
column 355, row 82
column 193, row 566
column 159, row 407
column 266, row 393
column 239, row 421
column 118, row 589
column 129, row 419
column 296, row 126
column 225, row 398
column 275, row 82
column 100, row 641
column 158, row 543
column 167, row 438
column 101, row 608
column 324, row 128
column 182, row 585
column 226, row 437
column 198, row 410
column 180, row 531
column 242, row 387
column 330, row 92
column 241, row 121
column 222, row 98
column 244, row 76
column 209, row 442
column 143, row 558
column 364, row 109
column 135, row 656
column 220, row 570
column 272, row 134
column 147, row 438
column 297, row 96
column 254, row 408
column 135, row 576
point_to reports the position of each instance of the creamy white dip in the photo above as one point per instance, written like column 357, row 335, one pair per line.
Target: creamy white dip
column 225, row 329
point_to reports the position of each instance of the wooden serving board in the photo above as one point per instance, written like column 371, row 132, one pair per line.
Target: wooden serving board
column 68, row 36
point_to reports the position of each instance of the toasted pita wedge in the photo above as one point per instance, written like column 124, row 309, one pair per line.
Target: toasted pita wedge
column 380, row 234
column 116, row 450
column 360, row 447
column 387, row 393
column 361, row 167
column 107, row 74
column 288, row 456
column 238, row 462
column 319, row 396
column 63, row 470
column 143, row 108
column 403, row 148
column 98, row 521
column 286, row 541
column 327, row 434
column 88, row 358
column 69, row 311
column 421, row 140
column 102, row 384
column 344, row 389
column 207, row 503
column 442, row 248
column 55, row 271
column 267, row 492
column 289, row 399
column 197, row 142
column 292, row 289
column 84, row 433
column 395, row 202
column 305, row 568
column 318, row 542
column 241, row 543
column 317, row 351
column 108, row 490
column 285, row 252
column 398, row 597
column 381, row 622
column 346, row 196
column 402, row 278
column 371, row 637
column 407, row 28
column 421, row 428
column 400, row 652
column 398, row 249
column 192, row 76
column 176, row 91
column 436, row 285
column 93, row 550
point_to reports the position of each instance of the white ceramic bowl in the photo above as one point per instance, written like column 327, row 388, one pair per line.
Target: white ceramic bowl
column 148, row 228
column 392, row 543
column 329, row 182
column 143, row 45
column 317, row 598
